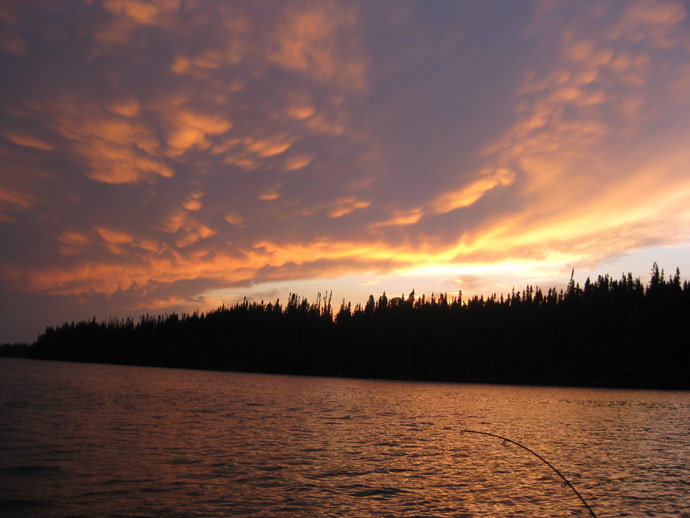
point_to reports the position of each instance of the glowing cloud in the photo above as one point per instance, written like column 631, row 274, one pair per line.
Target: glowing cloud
column 28, row 141
column 233, row 219
column 305, row 43
column 268, row 195
column 161, row 153
column 345, row 206
column 268, row 147
column 113, row 236
column 189, row 129
column 193, row 201
column 297, row 162
column 469, row 194
column 401, row 218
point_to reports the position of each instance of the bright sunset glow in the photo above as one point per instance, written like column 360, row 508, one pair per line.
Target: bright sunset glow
column 168, row 155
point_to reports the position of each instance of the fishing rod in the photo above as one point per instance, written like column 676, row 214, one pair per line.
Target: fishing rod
column 565, row 480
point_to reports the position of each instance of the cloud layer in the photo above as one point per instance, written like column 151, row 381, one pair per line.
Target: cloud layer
column 157, row 152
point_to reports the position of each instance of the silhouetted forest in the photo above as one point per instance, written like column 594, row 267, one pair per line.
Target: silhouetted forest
column 607, row 333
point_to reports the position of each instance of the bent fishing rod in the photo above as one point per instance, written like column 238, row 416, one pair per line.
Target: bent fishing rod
column 565, row 480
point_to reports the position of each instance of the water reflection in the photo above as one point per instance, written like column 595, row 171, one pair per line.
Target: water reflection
column 88, row 440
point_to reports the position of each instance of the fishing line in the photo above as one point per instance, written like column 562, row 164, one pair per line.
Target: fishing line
column 565, row 480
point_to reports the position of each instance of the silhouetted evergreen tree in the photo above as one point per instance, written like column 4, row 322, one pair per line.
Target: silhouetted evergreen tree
column 606, row 333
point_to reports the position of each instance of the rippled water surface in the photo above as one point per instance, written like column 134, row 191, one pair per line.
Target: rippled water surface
column 103, row 440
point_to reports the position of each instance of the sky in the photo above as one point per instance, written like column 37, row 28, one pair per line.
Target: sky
column 174, row 155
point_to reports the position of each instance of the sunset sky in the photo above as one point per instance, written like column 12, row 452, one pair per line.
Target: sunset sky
column 172, row 155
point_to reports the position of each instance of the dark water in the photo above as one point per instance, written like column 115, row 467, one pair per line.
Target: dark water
column 100, row 440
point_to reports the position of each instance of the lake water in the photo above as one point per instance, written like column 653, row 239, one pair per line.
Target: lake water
column 104, row 440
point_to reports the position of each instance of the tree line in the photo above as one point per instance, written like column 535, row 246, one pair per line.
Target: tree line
column 606, row 333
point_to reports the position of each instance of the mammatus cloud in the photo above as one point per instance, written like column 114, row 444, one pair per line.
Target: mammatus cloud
column 156, row 151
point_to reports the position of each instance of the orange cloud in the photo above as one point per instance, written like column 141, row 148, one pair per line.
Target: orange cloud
column 189, row 129
column 190, row 230
column 469, row 194
column 72, row 243
column 181, row 65
column 158, row 303
column 234, row 219
column 193, row 204
column 269, row 195
column 117, row 164
column 274, row 254
column 581, row 50
column 142, row 11
column 300, row 112
column 12, row 199
column 322, row 124
column 128, row 108
column 242, row 161
column 172, row 223
column 587, row 176
column 73, row 238
column 194, row 234
column 519, row 245
column 299, row 105
column 297, row 162
column 345, row 206
column 307, row 41
column 401, row 218
column 108, row 278
column 267, row 147
column 114, row 237
column 22, row 139
column 193, row 201
column 115, row 150
column 225, row 145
